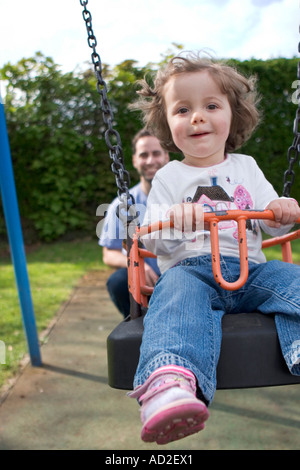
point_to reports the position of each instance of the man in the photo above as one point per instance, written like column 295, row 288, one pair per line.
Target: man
column 148, row 157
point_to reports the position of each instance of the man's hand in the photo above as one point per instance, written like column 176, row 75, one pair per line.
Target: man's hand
column 150, row 275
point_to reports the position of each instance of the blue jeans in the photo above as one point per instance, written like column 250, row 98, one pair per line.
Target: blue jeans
column 183, row 322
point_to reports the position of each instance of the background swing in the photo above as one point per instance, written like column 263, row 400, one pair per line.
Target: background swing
column 247, row 339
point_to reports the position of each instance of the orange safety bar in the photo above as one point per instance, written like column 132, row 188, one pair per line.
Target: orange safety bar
column 136, row 272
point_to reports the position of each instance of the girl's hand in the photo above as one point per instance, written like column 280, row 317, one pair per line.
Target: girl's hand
column 187, row 217
column 286, row 211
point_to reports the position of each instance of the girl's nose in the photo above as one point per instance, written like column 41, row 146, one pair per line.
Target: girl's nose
column 197, row 116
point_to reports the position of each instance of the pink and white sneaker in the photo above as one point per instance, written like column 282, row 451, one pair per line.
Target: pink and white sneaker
column 170, row 409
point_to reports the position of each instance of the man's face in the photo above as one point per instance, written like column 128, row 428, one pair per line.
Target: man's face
column 149, row 157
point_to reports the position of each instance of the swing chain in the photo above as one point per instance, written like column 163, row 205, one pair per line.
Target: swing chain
column 111, row 135
column 294, row 150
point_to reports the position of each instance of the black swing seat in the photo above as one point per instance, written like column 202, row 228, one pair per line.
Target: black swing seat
column 250, row 353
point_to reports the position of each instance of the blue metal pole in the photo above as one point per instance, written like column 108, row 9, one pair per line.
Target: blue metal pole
column 15, row 236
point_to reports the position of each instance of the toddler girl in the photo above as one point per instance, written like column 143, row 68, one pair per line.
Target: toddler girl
column 206, row 110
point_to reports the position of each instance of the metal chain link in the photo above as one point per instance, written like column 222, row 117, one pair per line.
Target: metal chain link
column 294, row 150
column 111, row 135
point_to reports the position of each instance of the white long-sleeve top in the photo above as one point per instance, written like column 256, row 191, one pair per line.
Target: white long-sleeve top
column 236, row 183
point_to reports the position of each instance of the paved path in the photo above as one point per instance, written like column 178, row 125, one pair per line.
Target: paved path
column 67, row 404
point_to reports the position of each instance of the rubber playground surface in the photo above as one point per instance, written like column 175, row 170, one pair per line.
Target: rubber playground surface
column 67, row 404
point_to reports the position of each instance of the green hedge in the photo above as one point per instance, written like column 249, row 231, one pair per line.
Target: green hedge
column 61, row 163
column 269, row 145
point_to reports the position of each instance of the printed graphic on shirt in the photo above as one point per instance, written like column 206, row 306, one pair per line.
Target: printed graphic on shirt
column 214, row 198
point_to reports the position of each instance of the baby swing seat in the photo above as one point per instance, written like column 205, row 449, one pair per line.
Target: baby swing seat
column 250, row 351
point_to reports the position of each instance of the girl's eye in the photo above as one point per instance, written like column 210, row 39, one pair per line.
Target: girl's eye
column 212, row 106
column 182, row 110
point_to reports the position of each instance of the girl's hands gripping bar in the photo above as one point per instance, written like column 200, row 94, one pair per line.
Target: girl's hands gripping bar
column 190, row 217
column 286, row 211
column 187, row 217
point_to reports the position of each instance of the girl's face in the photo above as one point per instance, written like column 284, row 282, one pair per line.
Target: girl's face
column 199, row 117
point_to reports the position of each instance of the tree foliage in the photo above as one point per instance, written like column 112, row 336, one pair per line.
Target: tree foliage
column 61, row 162
column 270, row 143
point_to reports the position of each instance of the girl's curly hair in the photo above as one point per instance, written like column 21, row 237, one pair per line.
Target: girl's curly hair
column 241, row 93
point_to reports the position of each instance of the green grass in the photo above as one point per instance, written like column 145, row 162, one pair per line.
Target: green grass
column 275, row 252
column 54, row 270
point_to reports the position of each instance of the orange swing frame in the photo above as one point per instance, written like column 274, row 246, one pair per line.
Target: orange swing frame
column 140, row 292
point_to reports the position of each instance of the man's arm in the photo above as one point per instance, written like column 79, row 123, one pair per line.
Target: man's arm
column 114, row 258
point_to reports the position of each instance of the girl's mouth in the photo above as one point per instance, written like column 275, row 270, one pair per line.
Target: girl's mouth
column 200, row 134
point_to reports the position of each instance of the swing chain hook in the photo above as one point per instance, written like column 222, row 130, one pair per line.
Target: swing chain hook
column 112, row 137
column 294, row 150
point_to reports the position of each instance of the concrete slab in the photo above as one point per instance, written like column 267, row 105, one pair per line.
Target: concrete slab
column 67, row 404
